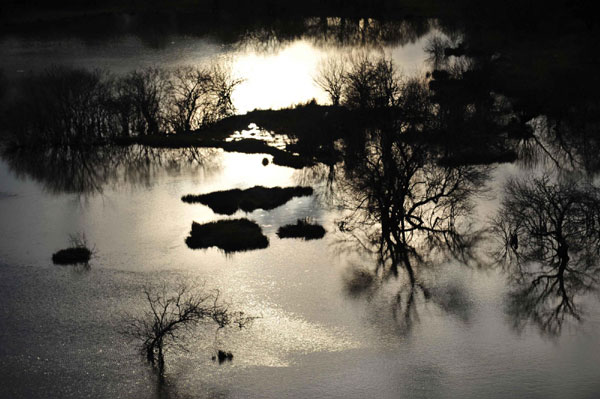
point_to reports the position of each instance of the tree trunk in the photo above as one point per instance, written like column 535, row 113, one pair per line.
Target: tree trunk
column 161, row 359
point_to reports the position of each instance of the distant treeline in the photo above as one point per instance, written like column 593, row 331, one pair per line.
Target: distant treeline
column 63, row 106
column 364, row 8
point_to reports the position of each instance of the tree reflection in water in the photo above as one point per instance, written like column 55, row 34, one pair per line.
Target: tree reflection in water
column 548, row 231
column 88, row 170
column 400, row 201
column 566, row 142
column 409, row 211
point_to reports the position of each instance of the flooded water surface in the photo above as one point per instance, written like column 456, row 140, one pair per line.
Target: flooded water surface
column 488, row 288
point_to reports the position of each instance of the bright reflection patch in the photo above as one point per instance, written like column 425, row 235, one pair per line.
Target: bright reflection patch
column 277, row 80
column 284, row 77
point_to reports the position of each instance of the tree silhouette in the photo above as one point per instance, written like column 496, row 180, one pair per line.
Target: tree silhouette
column 172, row 315
column 398, row 199
column 548, row 232
column 330, row 77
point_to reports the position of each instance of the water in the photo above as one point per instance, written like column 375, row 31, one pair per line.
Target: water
column 315, row 337
column 278, row 76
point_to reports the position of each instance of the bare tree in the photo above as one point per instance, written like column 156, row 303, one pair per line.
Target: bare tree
column 189, row 89
column 222, row 84
column 548, row 235
column 147, row 91
column 386, row 82
column 331, row 75
column 371, row 82
column 359, row 81
column 173, row 314
column 399, row 198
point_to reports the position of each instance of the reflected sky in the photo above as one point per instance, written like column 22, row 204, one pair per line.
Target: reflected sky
column 313, row 339
column 280, row 77
column 309, row 326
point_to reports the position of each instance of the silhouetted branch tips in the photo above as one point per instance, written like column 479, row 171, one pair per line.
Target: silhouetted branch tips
column 63, row 106
column 172, row 314
column 548, row 238
column 331, row 76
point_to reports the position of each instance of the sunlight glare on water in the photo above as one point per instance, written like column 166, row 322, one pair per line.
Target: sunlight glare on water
column 333, row 319
column 277, row 80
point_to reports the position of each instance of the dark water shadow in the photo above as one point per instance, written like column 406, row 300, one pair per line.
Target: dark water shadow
column 88, row 171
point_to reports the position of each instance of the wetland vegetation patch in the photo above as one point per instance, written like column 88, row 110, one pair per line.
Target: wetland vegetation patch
column 77, row 253
column 232, row 235
column 258, row 197
column 302, row 229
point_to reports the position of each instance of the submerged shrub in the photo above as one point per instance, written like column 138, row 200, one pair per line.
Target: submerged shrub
column 229, row 235
column 228, row 202
column 302, row 229
column 171, row 314
column 77, row 253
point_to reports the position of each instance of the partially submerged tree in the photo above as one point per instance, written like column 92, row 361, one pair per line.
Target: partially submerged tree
column 398, row 199
column 65, row 107
column 360, row 80
column 172, row 314
column 147, row 91
column 200, row 96
column 189, row 87
column 331, row 77
column 549, row 238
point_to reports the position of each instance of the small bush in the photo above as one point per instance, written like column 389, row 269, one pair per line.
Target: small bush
column 229, row 235
column 302, row 229
column 76, row 254
column 72, row 256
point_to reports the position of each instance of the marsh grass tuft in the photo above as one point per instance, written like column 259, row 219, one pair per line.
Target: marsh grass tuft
column 77, row 253
column 258, row 197
column 302, row 229
column 232, row 235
